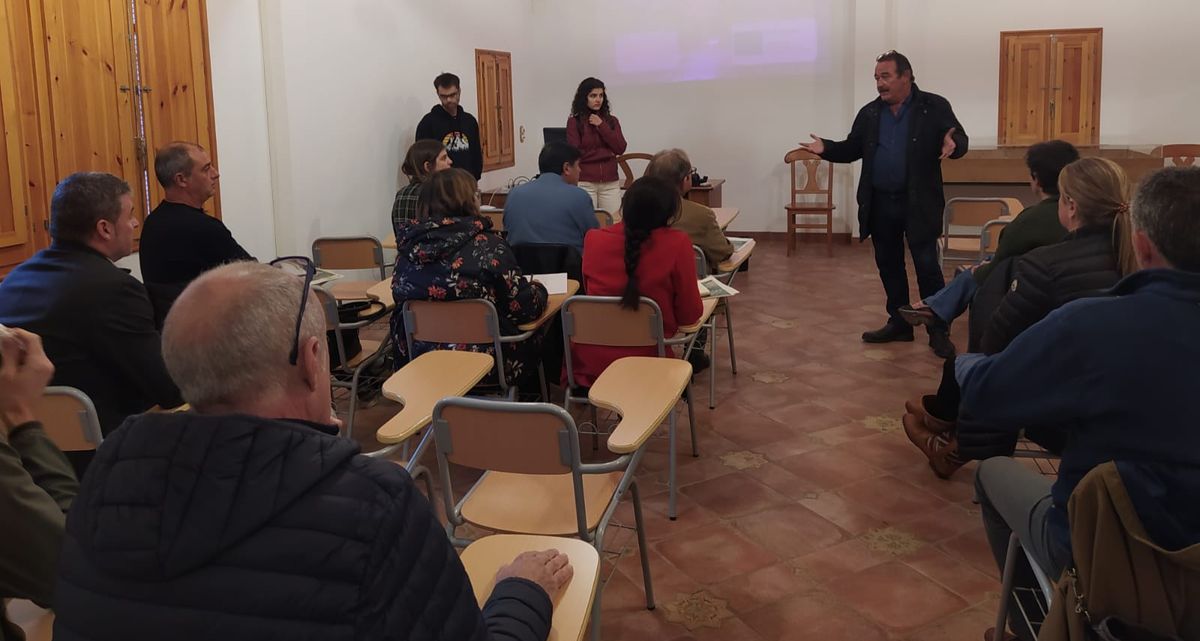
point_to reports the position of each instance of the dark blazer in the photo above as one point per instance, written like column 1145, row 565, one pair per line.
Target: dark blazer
column 193, row 527
column 931, row 117
column 97, row 326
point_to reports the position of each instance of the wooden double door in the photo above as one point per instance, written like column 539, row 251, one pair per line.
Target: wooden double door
column 1050, row 86
column 94, row 86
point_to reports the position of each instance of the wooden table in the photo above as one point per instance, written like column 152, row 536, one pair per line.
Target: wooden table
column 423, row 382
column 554, row 304
column 725, row 215
column 708, row 194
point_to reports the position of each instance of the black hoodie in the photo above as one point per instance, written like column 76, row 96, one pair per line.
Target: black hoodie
column 238, row 527
column 460, row 135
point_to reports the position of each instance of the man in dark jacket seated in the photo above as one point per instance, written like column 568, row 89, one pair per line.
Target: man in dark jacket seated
column 1116, row 374
column 95, row 320
column 250, row 519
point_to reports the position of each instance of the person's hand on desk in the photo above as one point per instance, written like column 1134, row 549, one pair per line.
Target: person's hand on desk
column 24, row 373
column 817, row 146
column 550, row 569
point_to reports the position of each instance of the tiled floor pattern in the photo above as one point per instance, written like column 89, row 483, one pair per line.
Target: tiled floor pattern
column 808, row 514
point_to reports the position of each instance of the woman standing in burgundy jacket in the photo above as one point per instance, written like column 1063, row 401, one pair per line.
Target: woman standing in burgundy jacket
column 596, row 133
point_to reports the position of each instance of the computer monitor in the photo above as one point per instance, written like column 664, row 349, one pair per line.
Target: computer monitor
column 554, row 134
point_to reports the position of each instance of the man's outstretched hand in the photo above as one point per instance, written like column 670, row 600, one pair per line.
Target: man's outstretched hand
column 550, row 569
column 817, row 146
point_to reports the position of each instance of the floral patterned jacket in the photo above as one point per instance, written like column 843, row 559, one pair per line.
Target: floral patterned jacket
column 458, row 258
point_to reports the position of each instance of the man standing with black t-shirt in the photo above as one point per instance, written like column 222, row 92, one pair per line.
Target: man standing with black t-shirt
column 449, row 124
column 179, row 240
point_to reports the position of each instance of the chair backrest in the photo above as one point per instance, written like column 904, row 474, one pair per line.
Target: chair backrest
column 813, row 186
column 627, row 172
column 497, row 218
column 1179, row 155
column 69, row 419
column 349, row 252
column 472, row 321
column 600, row 320
column 701, row 262
column 975, row 213
column 604, row 218
column 989, row 238
column 549, row 258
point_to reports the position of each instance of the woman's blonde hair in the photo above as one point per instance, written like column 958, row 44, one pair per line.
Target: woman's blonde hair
column 448, row 193
column 1100, row 190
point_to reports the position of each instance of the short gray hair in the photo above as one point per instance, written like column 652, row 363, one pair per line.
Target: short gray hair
column 671, row 165
column 228, row 336
column 172, row 159
column 1167, row 207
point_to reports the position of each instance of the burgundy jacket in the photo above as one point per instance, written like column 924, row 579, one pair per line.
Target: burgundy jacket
column 600, row 147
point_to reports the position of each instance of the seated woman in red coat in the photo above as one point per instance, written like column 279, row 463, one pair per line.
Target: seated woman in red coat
column 640, row 256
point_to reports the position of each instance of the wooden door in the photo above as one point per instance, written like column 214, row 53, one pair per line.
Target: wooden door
column 15, row 230
column 172, row 43
column 1075, row 93
column 1024, row 92
column 92, row 89
column 504, row 116
column 493, row 76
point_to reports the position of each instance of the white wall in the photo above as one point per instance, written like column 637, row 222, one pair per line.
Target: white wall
column 316, row 100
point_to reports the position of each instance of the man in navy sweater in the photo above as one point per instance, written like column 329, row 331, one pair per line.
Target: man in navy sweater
column 551, row 209
column 1117, row 375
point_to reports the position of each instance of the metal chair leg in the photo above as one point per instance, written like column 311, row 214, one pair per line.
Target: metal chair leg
column 671, row 489
column 641, row 537
column 595, row 429
column 687, row 394
column 729, row 332
column 712, row 364
column 1006, row 587
column 542, row 382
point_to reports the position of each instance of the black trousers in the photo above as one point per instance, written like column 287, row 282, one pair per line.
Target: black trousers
column 889, row 224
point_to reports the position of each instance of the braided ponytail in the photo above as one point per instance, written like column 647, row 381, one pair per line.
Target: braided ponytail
column 649, row 203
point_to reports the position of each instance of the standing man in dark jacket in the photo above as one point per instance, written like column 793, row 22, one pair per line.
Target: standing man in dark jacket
column 1115, row 374
column 95, row 320
column 250, row 518
column 179, row 240
column 901, row 137
column 36, row 481
column 450, row 124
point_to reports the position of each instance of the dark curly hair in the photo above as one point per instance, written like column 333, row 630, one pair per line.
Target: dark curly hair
column 579, row 108
column 649, row 203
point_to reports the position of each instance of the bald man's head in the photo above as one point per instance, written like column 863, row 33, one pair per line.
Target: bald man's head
column 227, row 338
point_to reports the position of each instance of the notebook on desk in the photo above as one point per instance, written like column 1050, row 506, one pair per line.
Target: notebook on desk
column 554, row 283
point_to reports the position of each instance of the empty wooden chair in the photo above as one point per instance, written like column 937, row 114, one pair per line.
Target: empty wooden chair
column 811, row 196
column 963, row 223
column 1179, row 155
column 628, row 175
column 349, row 252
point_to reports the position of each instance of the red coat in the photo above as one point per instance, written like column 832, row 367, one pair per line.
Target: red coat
column 600, row 147
column 666, row 273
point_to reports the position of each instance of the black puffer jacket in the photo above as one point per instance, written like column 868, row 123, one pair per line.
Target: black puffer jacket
column 1046, row 278
column 236, row 527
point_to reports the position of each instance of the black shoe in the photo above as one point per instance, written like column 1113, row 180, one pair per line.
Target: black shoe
column 699, row 361
column 920, row 316
column 939, row 340
column 893, row 331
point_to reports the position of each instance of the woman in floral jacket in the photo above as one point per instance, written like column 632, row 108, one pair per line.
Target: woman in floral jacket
column 451, row 253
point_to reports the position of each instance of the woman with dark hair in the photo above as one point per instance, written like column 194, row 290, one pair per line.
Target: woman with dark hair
column 596, row 133
column 639, row 256
column 424, row 158
column 451, row 253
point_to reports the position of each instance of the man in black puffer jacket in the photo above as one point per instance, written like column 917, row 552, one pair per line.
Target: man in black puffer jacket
column 251, row 519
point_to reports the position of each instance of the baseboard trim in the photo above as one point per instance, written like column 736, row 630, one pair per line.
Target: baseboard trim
column 841, row 238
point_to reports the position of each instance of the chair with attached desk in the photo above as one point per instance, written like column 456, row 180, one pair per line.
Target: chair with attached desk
column 69, row 418
column 534, row 480
column 347, row 370
column 812, row 197
column 600, row 320
column 349, row 252
column 965, row 222
column 464, row 322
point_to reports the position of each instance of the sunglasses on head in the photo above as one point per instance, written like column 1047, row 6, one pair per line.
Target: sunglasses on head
column 298, row 266
column 889, row 52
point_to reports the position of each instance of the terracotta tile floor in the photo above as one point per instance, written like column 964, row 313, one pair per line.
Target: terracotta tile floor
column 808, row 514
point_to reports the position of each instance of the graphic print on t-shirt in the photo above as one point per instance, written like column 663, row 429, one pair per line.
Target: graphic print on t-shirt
column 456, row 141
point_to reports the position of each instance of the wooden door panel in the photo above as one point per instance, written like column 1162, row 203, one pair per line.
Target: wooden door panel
column 14, row 212
column 1076, row 109
column 1026, row 76
column 504, row 113
column 172, row 47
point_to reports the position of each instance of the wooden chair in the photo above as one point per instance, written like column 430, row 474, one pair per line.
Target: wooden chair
column 484, row 558
column 471, row 322
column 604, row 218
column 600, row 320
column 69, row 419
column 812, row 197
column 1178, row 155
column 352, row 367
column 349, row 252
column 534, row 481
column 627, row 173
column 963, row 223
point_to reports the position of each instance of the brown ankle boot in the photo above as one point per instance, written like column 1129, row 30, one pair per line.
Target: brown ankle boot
column 940, row 448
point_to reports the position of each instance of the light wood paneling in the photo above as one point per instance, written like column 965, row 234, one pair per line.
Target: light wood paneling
column 1050, row 86
column 493, row 82
column 1075, row 111
column 1025, row 74
column 173, row 52
column 14, row 211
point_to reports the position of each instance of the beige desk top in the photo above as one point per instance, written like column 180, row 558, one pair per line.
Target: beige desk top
column 390, row 241
column 642, row 389
column 709, row 305
column 725, row 215
column 423, row 382
column 382, row 291
column 740, row 256
column 352, row 289
column 554, row 304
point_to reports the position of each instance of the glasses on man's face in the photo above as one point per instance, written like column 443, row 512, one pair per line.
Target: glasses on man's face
column 448, row 96
column 298, row 266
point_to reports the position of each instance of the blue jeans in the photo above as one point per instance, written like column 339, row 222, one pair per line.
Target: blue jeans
column 889, row 224
column 952, row 300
